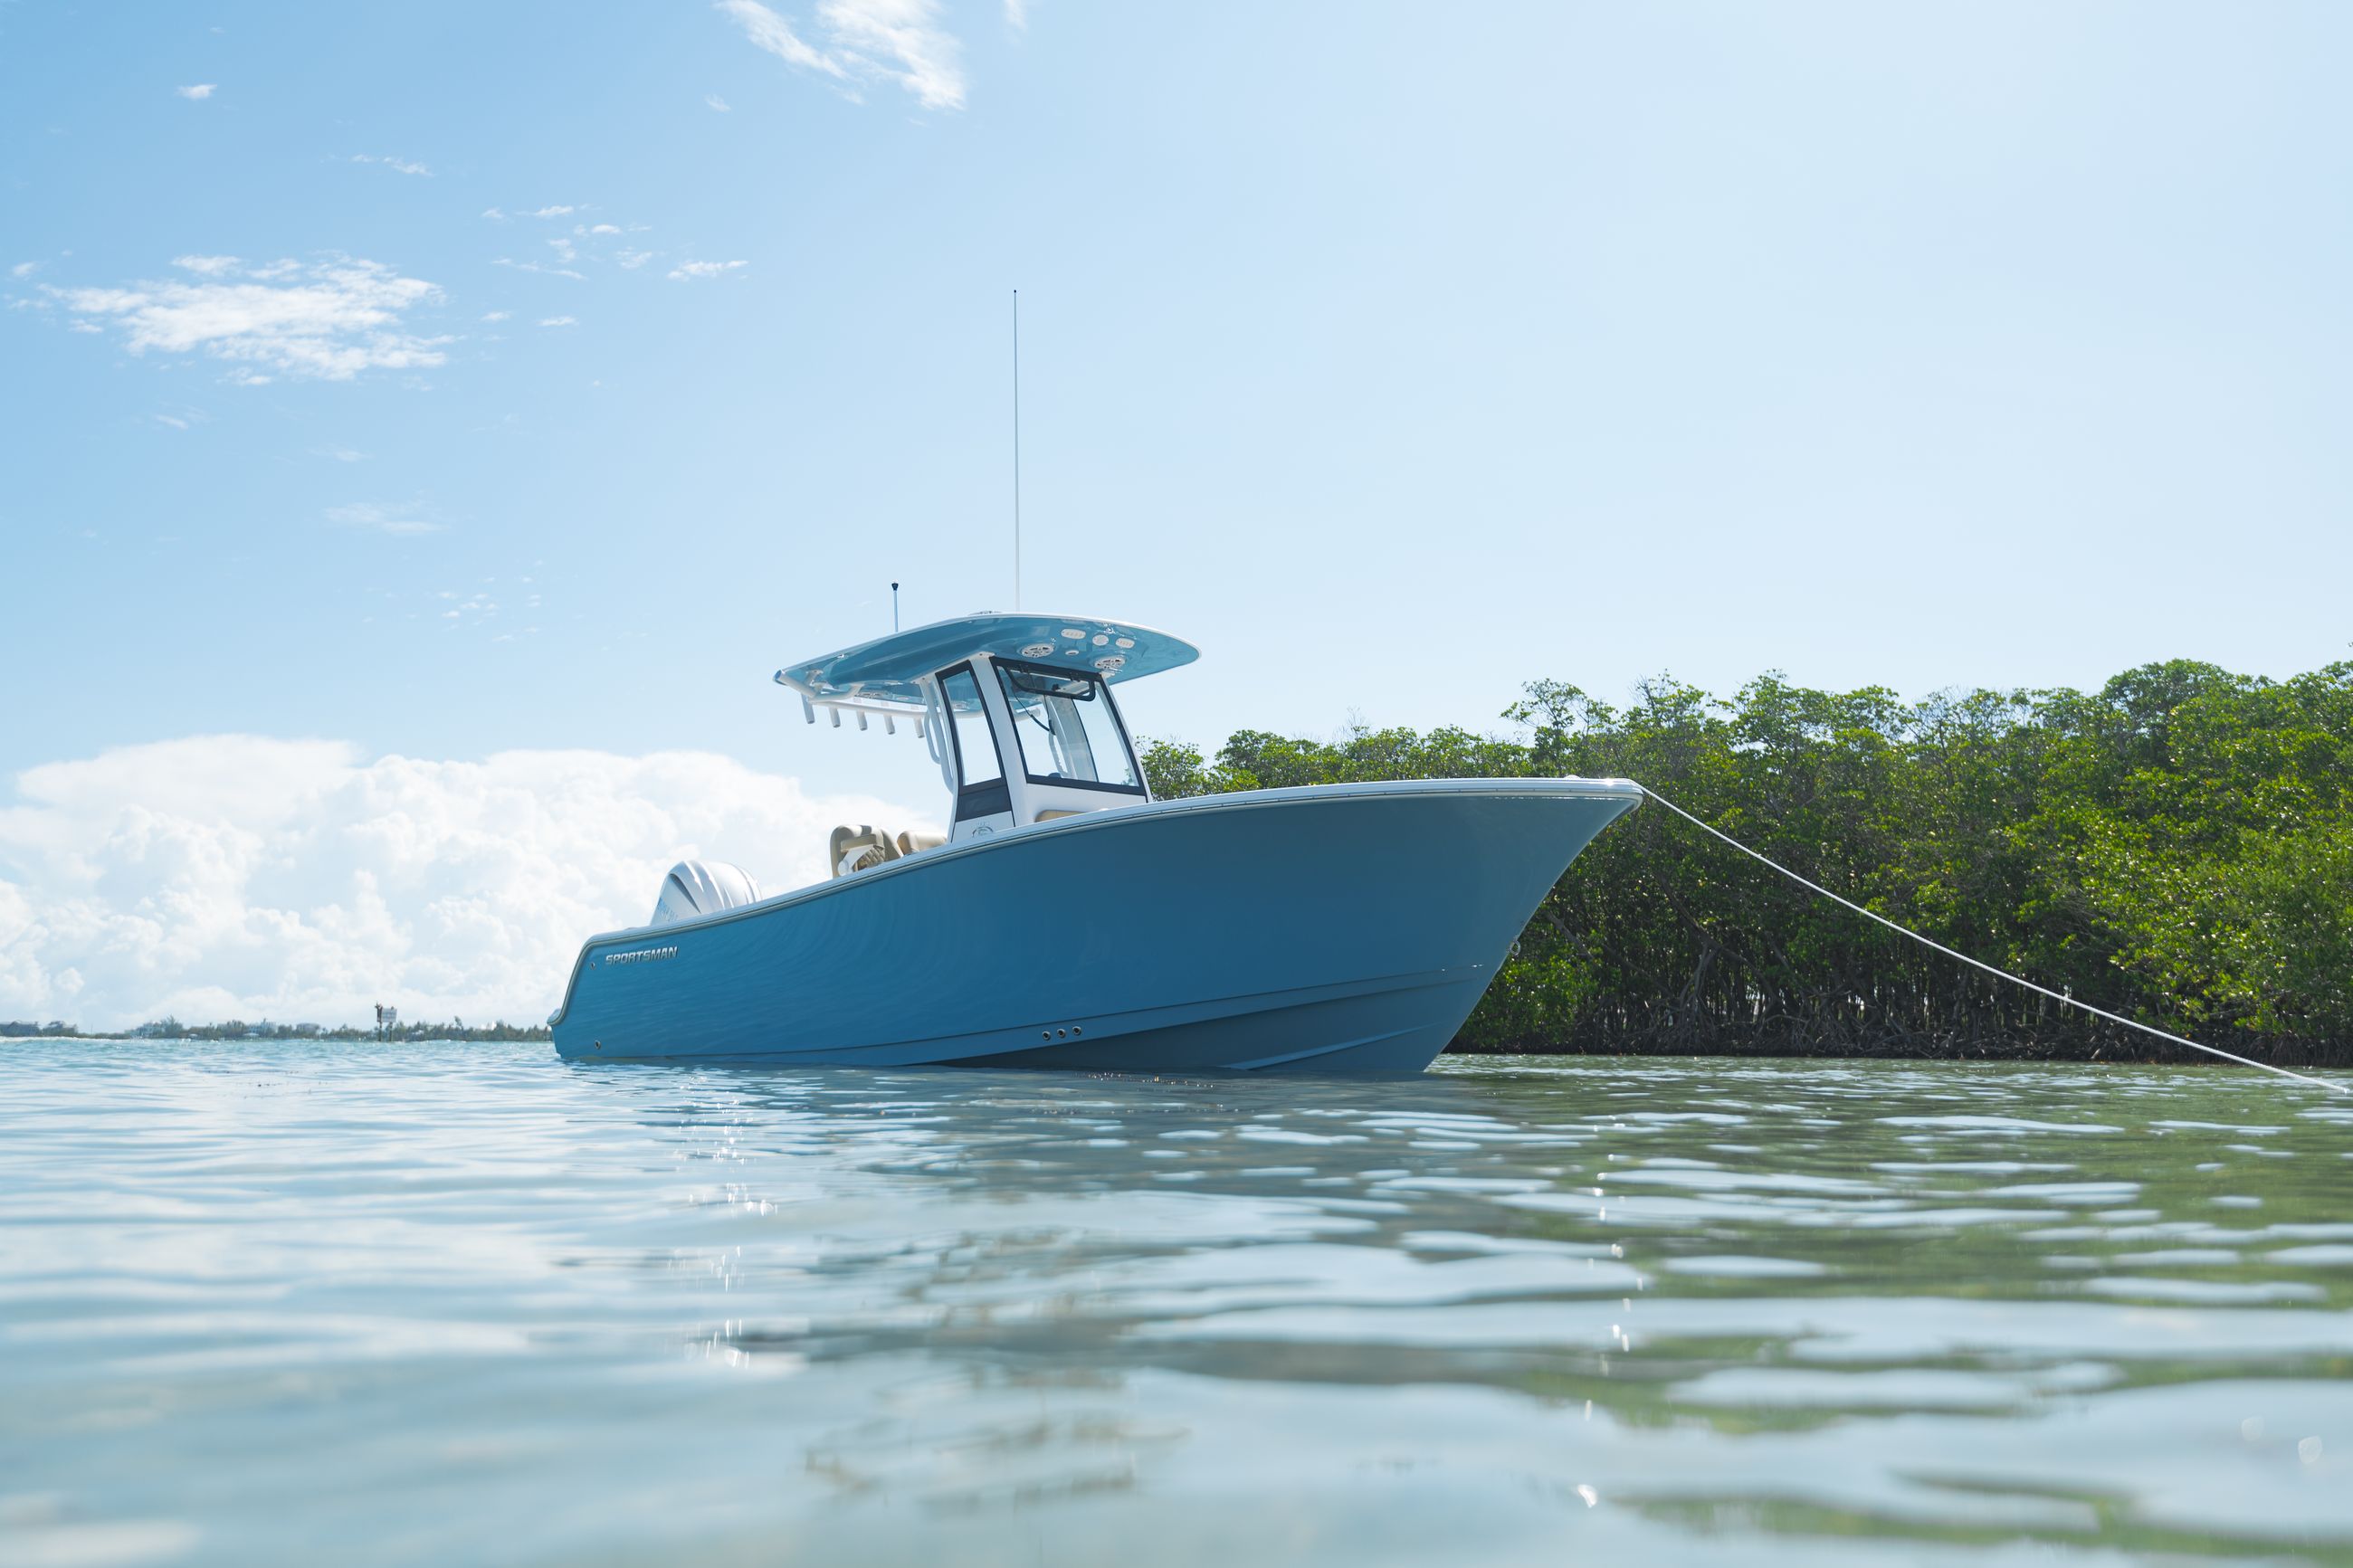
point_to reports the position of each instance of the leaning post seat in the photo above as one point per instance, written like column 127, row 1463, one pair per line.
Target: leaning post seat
column 858, row 848
column 861, row 848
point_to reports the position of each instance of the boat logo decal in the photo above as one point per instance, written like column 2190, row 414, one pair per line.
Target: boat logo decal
column 641, row 956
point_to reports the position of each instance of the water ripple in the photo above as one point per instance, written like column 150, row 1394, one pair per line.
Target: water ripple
column 292, row 1303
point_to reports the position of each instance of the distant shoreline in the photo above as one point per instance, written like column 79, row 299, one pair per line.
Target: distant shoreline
column 2053, row 1052
column 518, row 1036
column 293, row 1034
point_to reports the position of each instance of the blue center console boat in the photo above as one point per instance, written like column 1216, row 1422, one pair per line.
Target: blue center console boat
column 1068, row 919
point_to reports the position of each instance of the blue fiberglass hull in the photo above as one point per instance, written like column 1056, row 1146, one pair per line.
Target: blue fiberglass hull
column 1341, row 928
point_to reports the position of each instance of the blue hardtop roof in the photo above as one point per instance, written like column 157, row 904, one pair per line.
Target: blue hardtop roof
column 888, row 668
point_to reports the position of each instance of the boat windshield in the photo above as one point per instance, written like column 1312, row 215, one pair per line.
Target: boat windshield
column 1069, row 734
column 976, row 751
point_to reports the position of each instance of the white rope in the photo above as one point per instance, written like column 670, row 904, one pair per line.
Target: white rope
column 1990, row 969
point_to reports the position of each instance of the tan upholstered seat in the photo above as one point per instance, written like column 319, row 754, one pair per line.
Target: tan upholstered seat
column 859, row 849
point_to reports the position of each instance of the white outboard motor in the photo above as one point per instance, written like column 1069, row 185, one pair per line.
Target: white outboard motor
column 698, row 887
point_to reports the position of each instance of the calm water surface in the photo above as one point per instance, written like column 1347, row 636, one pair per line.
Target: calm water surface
column 463, row 1304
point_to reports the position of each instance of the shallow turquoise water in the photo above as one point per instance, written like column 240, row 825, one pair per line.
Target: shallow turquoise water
column 463, row 1304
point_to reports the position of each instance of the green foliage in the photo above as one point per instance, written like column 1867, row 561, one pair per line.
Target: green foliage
column 2177, row 848
column 1173, row 770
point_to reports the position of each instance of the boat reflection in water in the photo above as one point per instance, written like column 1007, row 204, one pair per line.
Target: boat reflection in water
column 1069, row 919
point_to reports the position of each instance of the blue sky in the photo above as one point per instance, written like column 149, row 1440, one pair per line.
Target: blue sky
column 445, row 380
column 1916, row 345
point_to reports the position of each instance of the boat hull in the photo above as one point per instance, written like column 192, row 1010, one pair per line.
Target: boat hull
column 1346, row 929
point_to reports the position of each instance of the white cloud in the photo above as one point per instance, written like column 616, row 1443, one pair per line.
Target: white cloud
column 718, row 104
column 379, row 518
column 198, row 93
column 174, row 420
column 773, row 33
column 1017, row 15
column 496, row 315
column 587, row 244
column 235, row 876
column 535, row 266
column 494, row 213
column 23, row 269
column 561, row 321
column 326, row 320
column 401, row 164
column 897, row 41
column 686, row 270
column 633, row 259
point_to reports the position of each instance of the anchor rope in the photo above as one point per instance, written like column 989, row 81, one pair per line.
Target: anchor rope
column 1978, row 964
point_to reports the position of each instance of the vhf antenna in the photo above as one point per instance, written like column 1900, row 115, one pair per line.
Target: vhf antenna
column 1016, row 448
column 894, row 609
